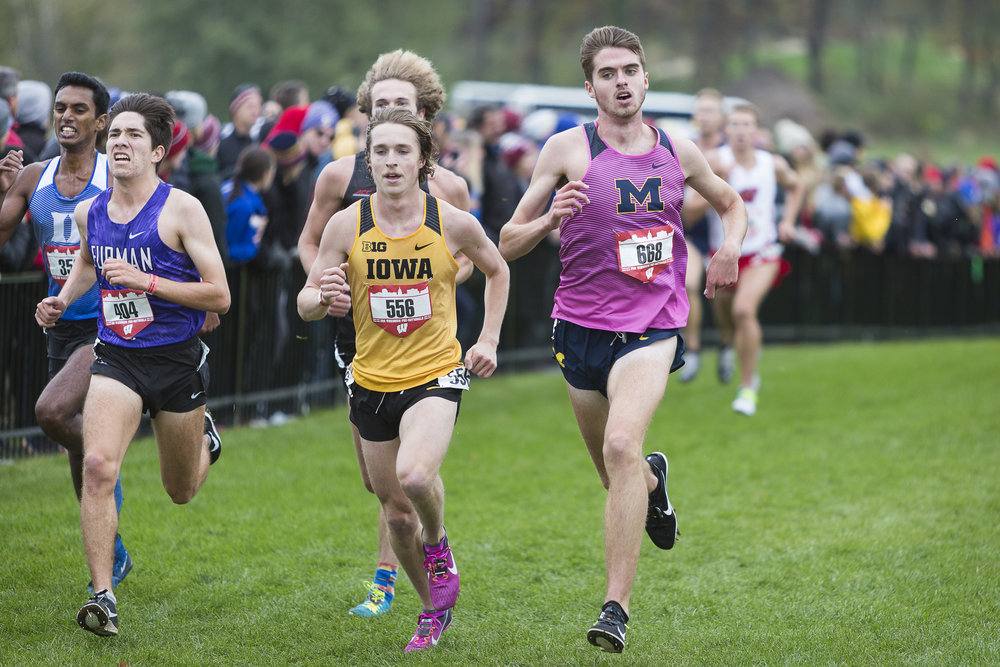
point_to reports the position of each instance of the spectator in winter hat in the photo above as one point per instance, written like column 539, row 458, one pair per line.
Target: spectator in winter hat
column 172, row 161
column 190, row 107
column 33, row 113
column 244, row 109
column 318, row 129
column 211, row 132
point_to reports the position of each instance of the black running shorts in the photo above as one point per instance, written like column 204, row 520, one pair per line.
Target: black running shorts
column 168, row 377
column 65, row 338
column 377, row 414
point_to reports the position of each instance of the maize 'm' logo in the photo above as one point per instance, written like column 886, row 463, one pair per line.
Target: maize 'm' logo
column 373, row 246
column 648, row 195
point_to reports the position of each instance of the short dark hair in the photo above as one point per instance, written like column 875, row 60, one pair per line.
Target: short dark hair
column 102, row 99
column 422, row 127
column 607, row 37
column 158, row 116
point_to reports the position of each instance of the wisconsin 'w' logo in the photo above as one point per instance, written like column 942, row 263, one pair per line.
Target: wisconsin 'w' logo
column 629, row 195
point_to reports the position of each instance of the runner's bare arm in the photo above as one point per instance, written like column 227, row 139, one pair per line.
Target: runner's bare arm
column 452, row 188
column 722, row 270
column 794, row 195
column 328, row 198
column 81, row 277
column 327, row 279
column 466, row 234
column 10, row 166
column 16, row 198
column 530, row 222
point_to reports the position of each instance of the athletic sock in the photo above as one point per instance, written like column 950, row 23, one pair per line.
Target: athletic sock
column 385, row 578
column 443, row 544
column 119, row 496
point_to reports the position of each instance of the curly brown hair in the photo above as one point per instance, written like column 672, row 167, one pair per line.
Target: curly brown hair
column 405, row 66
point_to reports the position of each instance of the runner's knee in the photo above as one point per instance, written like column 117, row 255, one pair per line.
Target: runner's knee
column 417, row 481
column 100, row 473
column 181, row 492
column 620, row 451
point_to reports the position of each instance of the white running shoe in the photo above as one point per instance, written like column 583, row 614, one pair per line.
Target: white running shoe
column 692, row 364
column 746, row 401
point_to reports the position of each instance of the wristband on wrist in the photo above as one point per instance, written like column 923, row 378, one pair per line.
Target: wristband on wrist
column 151, row 287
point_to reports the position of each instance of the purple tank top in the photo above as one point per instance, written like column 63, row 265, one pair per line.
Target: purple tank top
column 624, row 256
column 132, row 318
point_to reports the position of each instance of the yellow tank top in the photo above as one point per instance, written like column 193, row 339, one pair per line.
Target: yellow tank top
column 403, row 292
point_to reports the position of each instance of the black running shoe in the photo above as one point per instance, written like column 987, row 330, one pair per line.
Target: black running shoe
column 215, row 446
column 661, row 520
column 99, row 615
column 608, row 633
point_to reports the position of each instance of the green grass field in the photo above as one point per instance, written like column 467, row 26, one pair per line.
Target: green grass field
column 852, row 521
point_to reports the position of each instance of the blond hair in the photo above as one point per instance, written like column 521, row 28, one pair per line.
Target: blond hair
column 405, row 66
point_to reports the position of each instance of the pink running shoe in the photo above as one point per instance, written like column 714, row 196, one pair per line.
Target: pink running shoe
column 442, row 574
column 429, row 629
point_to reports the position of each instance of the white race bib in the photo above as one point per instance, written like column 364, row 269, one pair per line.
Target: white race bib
column 457, row 379
column 126, row 311
column 400, row 309
column 60, row 259
column 644, row 253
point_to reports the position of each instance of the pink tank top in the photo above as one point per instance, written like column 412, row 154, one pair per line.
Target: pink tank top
column 624, row 256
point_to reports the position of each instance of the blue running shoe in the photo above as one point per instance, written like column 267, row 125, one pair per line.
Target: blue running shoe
column 379, row 601
column 121, row 567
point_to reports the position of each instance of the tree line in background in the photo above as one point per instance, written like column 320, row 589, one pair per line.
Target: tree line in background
column 213, row 46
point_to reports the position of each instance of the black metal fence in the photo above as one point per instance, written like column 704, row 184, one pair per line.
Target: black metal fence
column 267, row 363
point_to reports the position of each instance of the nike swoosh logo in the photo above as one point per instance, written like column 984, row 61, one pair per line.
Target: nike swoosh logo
column 132, row 236
column 196, row 394
column 657, row 166
column 453, row 570
column 421, row 247
column 643, row 337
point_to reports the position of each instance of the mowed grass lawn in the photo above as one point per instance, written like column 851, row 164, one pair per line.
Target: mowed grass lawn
column 853, row 520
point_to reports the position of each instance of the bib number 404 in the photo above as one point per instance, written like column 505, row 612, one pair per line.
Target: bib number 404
column 125, row 310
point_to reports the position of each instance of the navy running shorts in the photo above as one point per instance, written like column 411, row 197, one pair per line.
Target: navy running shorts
column 587, row 355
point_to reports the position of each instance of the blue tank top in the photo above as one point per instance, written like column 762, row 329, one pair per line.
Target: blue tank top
column 57, row 236
column 133, row 318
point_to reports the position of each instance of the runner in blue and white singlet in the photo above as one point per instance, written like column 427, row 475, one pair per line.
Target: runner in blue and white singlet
column 52, row 215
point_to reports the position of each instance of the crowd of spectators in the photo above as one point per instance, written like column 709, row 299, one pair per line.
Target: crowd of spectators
column 254, row 172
